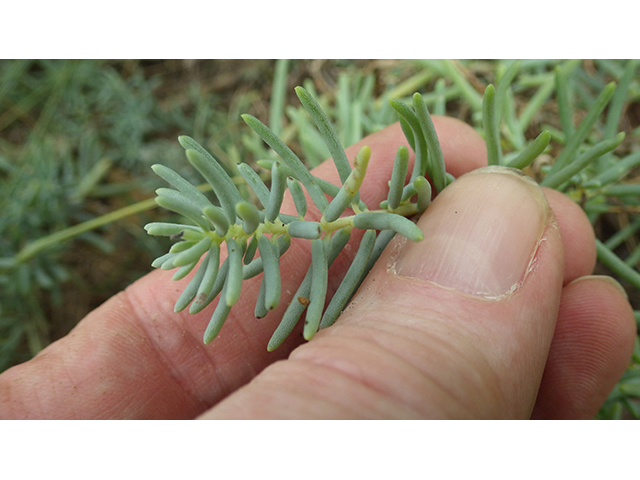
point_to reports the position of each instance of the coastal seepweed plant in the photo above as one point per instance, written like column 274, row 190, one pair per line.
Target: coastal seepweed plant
column 248, row 230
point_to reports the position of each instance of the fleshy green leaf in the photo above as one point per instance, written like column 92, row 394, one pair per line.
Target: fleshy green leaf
column 398, row 177
column 388, row 221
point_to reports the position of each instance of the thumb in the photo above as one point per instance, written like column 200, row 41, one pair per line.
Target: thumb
column 456, row 326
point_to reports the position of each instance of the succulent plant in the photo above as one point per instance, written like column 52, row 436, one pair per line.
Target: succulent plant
column 247, row 230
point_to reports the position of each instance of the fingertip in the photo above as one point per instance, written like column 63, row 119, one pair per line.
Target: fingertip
column 591, row 349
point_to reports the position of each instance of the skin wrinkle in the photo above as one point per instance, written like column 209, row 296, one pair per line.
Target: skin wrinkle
column 331, row 357
column 164, row 357
column 332, row 392
column 437, row 334
column 372, row 356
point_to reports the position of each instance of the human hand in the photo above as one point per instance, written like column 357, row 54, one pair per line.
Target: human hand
column 418, row 341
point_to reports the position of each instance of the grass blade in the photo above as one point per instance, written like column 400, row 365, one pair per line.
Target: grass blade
column 574, row 142
column 557, row 178
column 565, row 112
column 616, row 265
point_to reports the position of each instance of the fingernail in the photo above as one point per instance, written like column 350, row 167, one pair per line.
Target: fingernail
column 480, row 233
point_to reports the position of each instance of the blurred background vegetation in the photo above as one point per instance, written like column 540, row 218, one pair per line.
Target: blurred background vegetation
column 78, row 137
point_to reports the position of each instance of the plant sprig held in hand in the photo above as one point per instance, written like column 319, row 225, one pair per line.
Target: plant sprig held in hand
column 246, row 230
column 257, row 238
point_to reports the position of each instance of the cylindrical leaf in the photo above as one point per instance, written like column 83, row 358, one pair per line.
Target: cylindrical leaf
column 211, row 264
column 219, row 219
column 290, row 159
column 192, row 254
column 218, row 318
column 260, row 310
column 158, row 262
column 398, row 177
column 298, row 196
column 435, row 161
column 249, row 215
column 318, row 294
column 351, row 280
column 181, row 246
column 214, row 169
column 388, row 221
column 177, row 202
column 189, row 293
column 271, row 268
column 171, row 229
column 250, row 252
column 574, row 142
column 423, row 188
column 350, row 188
column 304, row 229
column 234, row 277
column 326, row 130
column 489, row 121
column 255, row 182
column 220, row 182
column 184, row 186
column 531, row 152
column 183, row 271
column 301, row 297
column 221, row 278
column 419, row 140
column 278, row 187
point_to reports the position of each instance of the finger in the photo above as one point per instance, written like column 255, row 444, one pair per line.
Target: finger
column 456, row 326
column 591, row 348
column 578, row 236
column 134, row 358
column 595, row 330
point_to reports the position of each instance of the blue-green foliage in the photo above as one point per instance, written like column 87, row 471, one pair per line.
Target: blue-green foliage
column 241, row 226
